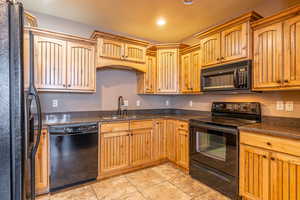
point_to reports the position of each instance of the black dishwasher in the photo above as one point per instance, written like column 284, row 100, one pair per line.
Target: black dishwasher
column 73, row 154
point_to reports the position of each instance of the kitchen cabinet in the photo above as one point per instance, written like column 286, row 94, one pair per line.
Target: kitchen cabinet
column 190, row 70
column 42, row 164
column 269, row 167
column 29, row 20
column 123, row 52
column 159, row 140
column 228, row 42
column 62, row 63
column 146, row 83
column 276, row 63
column 168, row 70
column 171, row 143
column 182, row 154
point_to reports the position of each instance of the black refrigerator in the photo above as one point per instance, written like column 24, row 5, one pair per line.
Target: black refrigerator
column 20, row 112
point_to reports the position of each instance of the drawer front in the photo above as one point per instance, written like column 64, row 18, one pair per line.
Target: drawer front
column 141, row 124
column 183, row 125
column 271, row 143
column 113, row 127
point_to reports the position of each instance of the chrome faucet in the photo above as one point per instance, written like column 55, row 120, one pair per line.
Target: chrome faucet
column 120, row 103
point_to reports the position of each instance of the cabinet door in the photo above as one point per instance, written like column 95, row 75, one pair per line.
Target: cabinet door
column 183, row 148
column 135, row 53
column 254, row 173
column 81, row 66
column 285, row 177
column 110, row 49
column 171, row 139
column 140, row 146
column 210, row 47
column 195, row 71
column 186, row 73
column 291, row 52
column 167, row 71
column 267, row 64
column 114, row 151
column 234, row 43
column 41, row 165
column 50, row 63
column 150, row 75
column 159, row 140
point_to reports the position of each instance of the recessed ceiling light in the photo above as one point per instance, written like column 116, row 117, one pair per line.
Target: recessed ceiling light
column 188, row 2
column 161, row 22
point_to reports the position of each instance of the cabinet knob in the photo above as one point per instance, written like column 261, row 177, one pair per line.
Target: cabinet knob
column 69, row 85
column 222, row 58
column 286, row 81
column 264, row 156
column 218, row 59
column 278, row 81
column 272, row 158
column 269, row 144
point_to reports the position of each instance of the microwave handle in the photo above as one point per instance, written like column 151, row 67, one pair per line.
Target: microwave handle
column 235, row 78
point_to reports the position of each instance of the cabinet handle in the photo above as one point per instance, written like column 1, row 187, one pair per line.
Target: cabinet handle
column 286, row 81
column 272, row 158
column 64, row 85
column 278, row 81
column 269, row 144
column 218, row 59
column 264, row 156
column 69, row 85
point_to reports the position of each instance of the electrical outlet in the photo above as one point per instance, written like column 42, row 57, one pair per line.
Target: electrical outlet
column 289, row 106
column 126, row 102
column 138, row 103
column 191, row 103
column 279, row 105
column 54, row 103
column 167, row 102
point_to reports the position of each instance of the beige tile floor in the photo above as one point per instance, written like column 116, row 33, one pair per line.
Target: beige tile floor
column 163, row 182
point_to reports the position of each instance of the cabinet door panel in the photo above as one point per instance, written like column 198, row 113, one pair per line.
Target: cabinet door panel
column 234, row 42
column 210, row 47
column 50, row 70
column 81, row 66
column 135, row 53
column 110, row 49
column 167, row 71
column 140, row 146
column 159, row 140
column 183, row 148
column 267, row 66
column 114, row 151
column 285, row 179
column 171, row 140
column 41, row 165
column 186, row 73
column 195, row 71
column 148, row 79
column 291, row 52
column 254, row 173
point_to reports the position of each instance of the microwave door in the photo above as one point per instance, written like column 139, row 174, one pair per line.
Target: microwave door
column 219, row 81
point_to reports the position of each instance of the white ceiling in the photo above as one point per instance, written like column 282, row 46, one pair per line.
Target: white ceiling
column 138, row 17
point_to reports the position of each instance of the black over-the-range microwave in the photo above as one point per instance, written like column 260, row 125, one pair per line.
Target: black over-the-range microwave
column 234, row 77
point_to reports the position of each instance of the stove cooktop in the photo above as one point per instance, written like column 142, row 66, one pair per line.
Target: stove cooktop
column 225, row 121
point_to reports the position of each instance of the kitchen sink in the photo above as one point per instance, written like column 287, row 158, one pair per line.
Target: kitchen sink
column 118, row 117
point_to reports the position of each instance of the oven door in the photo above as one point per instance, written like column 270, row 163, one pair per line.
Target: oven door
column 214, row 146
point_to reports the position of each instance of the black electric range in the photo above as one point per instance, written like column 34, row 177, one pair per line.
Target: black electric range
column 214, row 144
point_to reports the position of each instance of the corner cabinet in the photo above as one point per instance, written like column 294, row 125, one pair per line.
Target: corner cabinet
column 115, row 50
column 228, row 42
column 62, row 63
column 269, row 167
column 276, row 63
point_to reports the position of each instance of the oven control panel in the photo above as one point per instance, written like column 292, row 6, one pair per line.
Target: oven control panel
column 236, row 107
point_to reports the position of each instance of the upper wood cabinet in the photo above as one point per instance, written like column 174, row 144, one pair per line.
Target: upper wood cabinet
column 276, row 61
column 227, row 42
column 190, row 69
column 62, row 63
column 115, row 50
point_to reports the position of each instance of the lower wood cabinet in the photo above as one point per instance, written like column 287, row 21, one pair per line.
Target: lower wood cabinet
column 182, row 147
column 159, row 140
column 41, row 165
column 267, row 174
column 171, row 140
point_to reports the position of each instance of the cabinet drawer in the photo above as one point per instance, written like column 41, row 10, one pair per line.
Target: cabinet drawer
column 183, row 125
column 271, row 143
column 112, row 127
column 141, row 124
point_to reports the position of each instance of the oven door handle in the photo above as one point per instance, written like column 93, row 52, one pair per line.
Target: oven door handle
column 232, row 131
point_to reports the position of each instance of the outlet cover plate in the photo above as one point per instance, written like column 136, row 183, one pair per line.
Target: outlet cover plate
column 279, row 105
column 289, row 106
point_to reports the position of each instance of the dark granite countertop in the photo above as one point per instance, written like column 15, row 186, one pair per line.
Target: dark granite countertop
column 276, row 126
column 106, row 116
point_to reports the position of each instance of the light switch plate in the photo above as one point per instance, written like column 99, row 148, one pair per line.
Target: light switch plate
column 289, row 106
column 167, row 102
column 54, row 103
column 191, row 103
column 126, row 102
column 138, row 103
column 279, row 105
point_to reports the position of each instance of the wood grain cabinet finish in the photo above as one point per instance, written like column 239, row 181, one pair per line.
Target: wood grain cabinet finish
column 110, row 49
column 268, row 173
column 171, row 143
column 159, row 140
column 114, row 151
column 182, row 158
column 276, row 47
column 42, row 165
column 267, row 63
column 135, row 53
column 190, row 69
column 81, row 69
column 168, row 71
column 210, row 47
column 146, row 83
